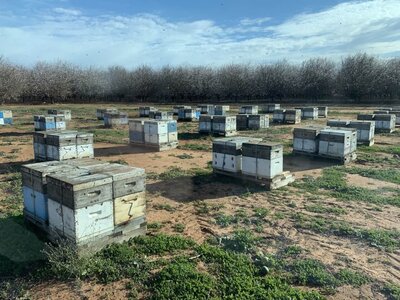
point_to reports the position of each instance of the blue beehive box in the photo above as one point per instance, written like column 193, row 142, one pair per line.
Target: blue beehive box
column 172, row 126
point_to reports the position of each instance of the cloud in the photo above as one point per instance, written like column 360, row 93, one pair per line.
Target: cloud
column 104, row 40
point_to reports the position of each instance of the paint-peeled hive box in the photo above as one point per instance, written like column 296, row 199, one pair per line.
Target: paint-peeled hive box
column 338, row 144
column 84, row 145
column 309, row 113
column 227, row 153
column 365, row 131
column 242, row 122
column 263, row 160
column 256, row 122
column 224, row 125
column 205, row 124
column 385, row 123
column 115, row 119
column 61, row 145
column 249, row 109
column 306, row 140
column 292, row 116
column 279, row 116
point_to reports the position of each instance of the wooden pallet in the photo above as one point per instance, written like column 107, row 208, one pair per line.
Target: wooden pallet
column 344, row 160
column 271, row 184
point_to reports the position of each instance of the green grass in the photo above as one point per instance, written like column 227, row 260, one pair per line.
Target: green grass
column 376, row 149
column 11, row 190
column 179, row 227
column 112, row 136
column 388, row 240
column 324, row 209
column 166, row 207
column 387, row 174
column 195, row 147
column 392, row 291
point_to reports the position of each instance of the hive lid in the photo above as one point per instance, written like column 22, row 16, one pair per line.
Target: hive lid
column 120, row 172
column 82, row 180
column 85, row 162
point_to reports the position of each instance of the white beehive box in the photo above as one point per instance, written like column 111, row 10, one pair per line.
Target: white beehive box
column 306, row 140
column 385, row 123
column 264, row 160
column 61, row 112
column 365, row 131
column 310, row 113
column 256, row 122
column 292, row 116
column 205, row 124
column 206, row 109
column 224, row 124
column 84, row 145
column 101, row 111
column 249, row 109
column 337, row 143
column 220, row 110
column 61, row 146
column 279, row 115
column 397, row 113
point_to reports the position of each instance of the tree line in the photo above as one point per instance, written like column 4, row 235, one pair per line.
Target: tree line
column 356, row 77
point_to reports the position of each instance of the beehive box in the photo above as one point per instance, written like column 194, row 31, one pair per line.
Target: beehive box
column 256, row 122
column 249, row 109
column 292, row 116
column 84, row 145
column 309, row 113
column 188, row 114
column 136, row 131
column 205, row 124
column 206, row 109
column 366, row 117
column 39, row 146
column 163, row 115
column 397, row 113
column 264, row 160
column 176, row 109
column 338, row 123
column 220, row 110
column 61, row 146
column 279, row 116
column 224, row 125
column 227, row 153
column 144, row 111
column 101, row 111
column 49, row 123
column 381, row 112
column 242, row 122
column 322, row 111
column 115, row 119
column 306, row 140
column 337, row 144
column 385, row 123
column 161, row 134
column 6, row 117
column 268, row 108
column 365, row 131
column 66, row 113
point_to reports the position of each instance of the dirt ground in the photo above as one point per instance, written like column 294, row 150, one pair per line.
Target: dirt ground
column 184, row 194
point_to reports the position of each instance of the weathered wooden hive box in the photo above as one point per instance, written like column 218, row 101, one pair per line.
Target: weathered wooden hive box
column 163, row 115
column 249, row 109
column 263, row 160
column 242, row 122
column 256, row 122
column 220, row 110
column 161, row 134
column 61, row 146
column 205, row 109
column 224, row 125
column 365, row 131
column 101, row 111
column 227, row 153
column 292, row 116
column 45, row 123
column 61, row 112
column 306, row 140
column 205, row 124
column 136, row 131
column 338, row 123
column 366, row 117
column 39, row 146
column 188, row 114
column 34, row 187
column 397, row 114
column 385, row 123
column 6, row 117
column 381, row 112
column 336, row 143
column 309, row 113
column 322, row 111
column 115, row 119
column 279, row 116
column 144, row 111
column 84, row 145
column 268, row 108
column 176, row 109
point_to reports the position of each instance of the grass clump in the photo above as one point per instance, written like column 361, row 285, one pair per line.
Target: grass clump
column 179, row 227
column 11, row 189
column 195, row 147
column 387, row 174
column 166, row 207
column 161, row 244
column 392, row 291
column 353, row 278
column 321, row 209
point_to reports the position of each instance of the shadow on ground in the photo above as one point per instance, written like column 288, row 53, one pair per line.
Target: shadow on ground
column 15, row 134
column 122, row 150
column 12, row 167
column 297, row 163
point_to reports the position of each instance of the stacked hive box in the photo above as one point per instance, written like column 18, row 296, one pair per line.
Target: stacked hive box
column 383, row 122
column 6, row 117
column 309, row 113
column 90, row 204
column 45, row 123
column 338, row 144
column 397, row 114
column 176, row 109
column 64, row 145
column 292, row 116
column 159, row 134
column 365, row 129
column 206, row 109
column 279, row 115
column 205, row 124
column 323, row 111
column 220, row 110
column 249, row 159
column 60, row 112
column 188, row 114
column 268, row 108
column 145, row 111
column 163, row 115
column 249, row 109
column 115, row 119
column 101, row 111
column 253, row 122
column 224, row 125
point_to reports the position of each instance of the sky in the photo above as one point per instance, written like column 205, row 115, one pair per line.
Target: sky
column 131, row 33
